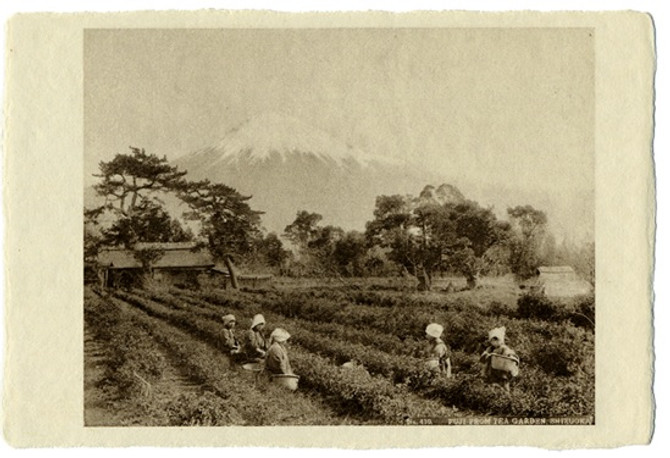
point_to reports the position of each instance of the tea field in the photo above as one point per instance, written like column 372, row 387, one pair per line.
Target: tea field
column 154, row 356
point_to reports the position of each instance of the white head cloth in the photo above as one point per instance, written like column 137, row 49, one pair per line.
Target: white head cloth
column 497, row 332
column 280, row 335
column 434, row 330
column 258, row 319
column 228, row 318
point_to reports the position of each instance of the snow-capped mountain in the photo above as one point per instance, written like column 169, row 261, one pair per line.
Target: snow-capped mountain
column 272, row 135
column 288, row 165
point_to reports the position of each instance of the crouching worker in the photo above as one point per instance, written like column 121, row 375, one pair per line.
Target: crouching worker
column 439, row 357
column 500, row 362
column 255, row 344
column 277, row 362
column 277, row 365
column 230, row 342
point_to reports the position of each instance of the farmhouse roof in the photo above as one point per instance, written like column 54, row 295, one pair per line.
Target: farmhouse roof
column 172, row 258
column 555, row 270
column 165, row 246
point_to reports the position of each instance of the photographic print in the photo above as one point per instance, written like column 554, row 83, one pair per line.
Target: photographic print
column 339, row 226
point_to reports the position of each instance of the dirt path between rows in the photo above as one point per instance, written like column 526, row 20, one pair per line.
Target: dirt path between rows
column 96, row 409
column 99, row 410
column 175, row 376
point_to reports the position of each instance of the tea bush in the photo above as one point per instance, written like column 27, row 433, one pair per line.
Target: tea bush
column 314, row 370
column 255, row 403
column 553, row 348
column 536, row 306
column 557, row 355
column 497, row 308
column 583, row 312
column 207, row 409
column 134, row 361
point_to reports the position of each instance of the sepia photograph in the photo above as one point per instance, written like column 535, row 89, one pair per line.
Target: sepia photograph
column 367, row 230
column 339, row 226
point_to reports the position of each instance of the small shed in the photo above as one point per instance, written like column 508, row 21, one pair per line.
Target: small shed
column 560, row 281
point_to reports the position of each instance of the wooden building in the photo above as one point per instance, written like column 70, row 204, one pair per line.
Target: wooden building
column 559, row 281
column 175, row 264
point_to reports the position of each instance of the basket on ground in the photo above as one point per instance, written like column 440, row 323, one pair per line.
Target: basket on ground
column 505, row 363
column 289, row 381
column 253, row 367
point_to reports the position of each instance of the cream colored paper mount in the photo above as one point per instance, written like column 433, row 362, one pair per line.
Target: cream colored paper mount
column 43, row 175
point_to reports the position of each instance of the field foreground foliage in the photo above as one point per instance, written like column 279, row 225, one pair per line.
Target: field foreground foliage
column 381, row 329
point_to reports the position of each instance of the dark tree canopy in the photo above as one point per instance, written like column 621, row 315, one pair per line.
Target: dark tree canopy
column 128, row 179
column 227, row 221
column 133, row 185
column 424, row 234
column 272, row 250
column 529, row 227
column 527, row 220
column 390, row 213
column 326, row 250
column 349, row 253
column 476, row 232
column 304, row 229
column 148, row 223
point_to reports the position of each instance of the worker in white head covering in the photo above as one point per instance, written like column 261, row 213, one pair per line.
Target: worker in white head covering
column 230, row 342
column 500, row 362
column 497, row 335
column 277, row 361
column 439, row 356
column 255, row 343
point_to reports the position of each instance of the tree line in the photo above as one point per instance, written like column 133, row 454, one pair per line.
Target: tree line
column 434, row 232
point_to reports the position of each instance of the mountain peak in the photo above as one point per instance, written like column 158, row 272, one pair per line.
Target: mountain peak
column 274, row 134
column 288, row 165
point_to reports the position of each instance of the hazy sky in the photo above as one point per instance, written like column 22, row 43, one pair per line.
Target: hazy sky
column 506, row 114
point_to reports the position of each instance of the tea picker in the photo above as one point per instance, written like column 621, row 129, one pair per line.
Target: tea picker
column 500, row 362
column 439, row 359
column 230, row 341
column 277, row 362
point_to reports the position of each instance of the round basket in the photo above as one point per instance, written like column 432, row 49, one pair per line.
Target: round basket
column 504, row 363
column 253, row 367
column 289, row 381
column 432, row 364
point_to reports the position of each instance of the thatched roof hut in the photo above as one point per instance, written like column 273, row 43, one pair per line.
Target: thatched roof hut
column 561, row 281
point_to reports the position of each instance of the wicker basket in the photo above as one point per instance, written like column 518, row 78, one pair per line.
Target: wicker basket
column 253, row 367
column 289, row 381
column 432, row 364
column 504, row 363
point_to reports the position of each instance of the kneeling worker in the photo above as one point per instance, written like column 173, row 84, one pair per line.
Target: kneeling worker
column 277, row 362
column 230, row 342
column 255, row 344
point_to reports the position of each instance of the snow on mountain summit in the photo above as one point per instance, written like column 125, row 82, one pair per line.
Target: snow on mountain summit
column 270, row 134
column 287, row 165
